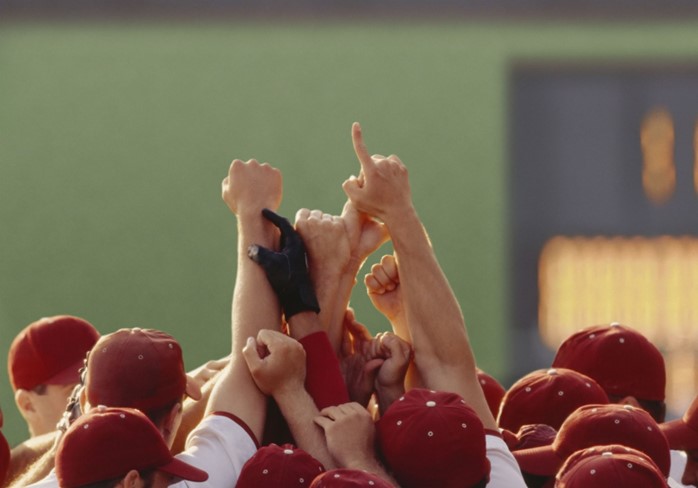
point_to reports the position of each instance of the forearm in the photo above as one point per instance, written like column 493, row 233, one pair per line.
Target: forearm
column 254, row 307
column 442, row 353
column 299, row 410
column 431, row 312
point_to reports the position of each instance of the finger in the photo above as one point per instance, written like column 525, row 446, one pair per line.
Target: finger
column 302, row 214
column 378, row 157
column 281, row 222
column 380, row 275
column 371, row 367
column 322, row 421
column 373, row 285
column 327, row 217
column 352, row 187
column 394, row 159
column 389, row 265
column 316, row 214
column 249, row 352
column 330, row 412
column 359, row 146
column 266, row 258
column 349, row 211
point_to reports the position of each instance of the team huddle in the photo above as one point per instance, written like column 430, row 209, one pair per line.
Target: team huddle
column 308, row 397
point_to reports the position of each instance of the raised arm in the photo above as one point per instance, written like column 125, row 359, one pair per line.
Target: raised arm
column 249, row 188
column 442, row 352
column 277, row 364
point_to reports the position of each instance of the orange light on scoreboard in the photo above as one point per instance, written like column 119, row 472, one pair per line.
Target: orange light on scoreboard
column 650, row 284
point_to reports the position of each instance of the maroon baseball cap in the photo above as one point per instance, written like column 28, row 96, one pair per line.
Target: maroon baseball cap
column 596, row 425
column 273, row 466
column 50, row 351
column 137, row 368
column 348, row 478
column 609, row 467
column 493, row 390
column 107, row 443
column 621, row 360
column 532, row 435
column 4, row 458
column 432, row 438
column 547, row 396
column 682, row 433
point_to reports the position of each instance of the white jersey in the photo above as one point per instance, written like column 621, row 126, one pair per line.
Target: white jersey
column 504, row 470
column 678, row 464
column 220, row 445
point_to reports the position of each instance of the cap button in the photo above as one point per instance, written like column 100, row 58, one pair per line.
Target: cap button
column 552, row 372
column 431, row 403
column 615, row 324
column 288, row 451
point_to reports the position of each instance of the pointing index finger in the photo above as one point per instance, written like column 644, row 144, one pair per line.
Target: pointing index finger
column 359, row 146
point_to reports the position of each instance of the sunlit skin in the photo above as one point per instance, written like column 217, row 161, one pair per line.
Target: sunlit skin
column 47, row 408
column 690, row 472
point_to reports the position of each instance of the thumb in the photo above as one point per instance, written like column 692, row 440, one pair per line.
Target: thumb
column 249, row 352
column 372, row 366
column 352, row 188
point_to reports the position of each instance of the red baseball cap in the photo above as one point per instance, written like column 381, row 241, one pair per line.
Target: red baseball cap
column 621, row 360
column 137, row 368
column 273, row 466
column 596, row 425
column 50, row 351
column 107, row 443
column 493, row 390
column 609, row 467
column 348, row 478
column 682, row 433
column 547, row 397
column 431, row 438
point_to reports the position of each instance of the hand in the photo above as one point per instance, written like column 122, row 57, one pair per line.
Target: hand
column 276, row 362
column 365, row 234
column 383, row 287
column 382, row 188
column 250, row 187
column 358, row 367
column 208, row 370
column 349, row 433
column 287, row 270
column 397, row 354
column 327, row 243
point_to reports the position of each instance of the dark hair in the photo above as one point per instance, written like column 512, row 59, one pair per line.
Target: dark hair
column 534, row 480
column 482, row 483
column 146, row 475
column 39, row 389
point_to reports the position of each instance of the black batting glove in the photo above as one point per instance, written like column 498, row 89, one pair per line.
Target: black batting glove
column 287, row 270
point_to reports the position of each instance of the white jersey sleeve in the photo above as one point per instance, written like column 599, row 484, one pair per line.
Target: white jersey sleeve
column 50, row 481
column 504, row 470
column 220, row 445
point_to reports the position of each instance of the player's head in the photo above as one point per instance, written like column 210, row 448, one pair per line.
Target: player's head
column 44, row 365
column 143, row 369
column 547, row 396
column 432, row 438
column 273, row 466
column 349, row 478
column 493, row 390
column 625, row 363
column 112, row 445
column 595, row 425
column 609, row 467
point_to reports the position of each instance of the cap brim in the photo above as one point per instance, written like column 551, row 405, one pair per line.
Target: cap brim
column 193, row 388
column 69, row 376
column 541, row 461
column 679, row 435
column 185, row 471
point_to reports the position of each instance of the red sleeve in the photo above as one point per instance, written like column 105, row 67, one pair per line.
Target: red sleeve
column 323, row 379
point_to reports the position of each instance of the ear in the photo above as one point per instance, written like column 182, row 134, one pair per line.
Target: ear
column 131, row 480
column 24, row 401
column 171, row 423
column 630, row 400
column 84, row 405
